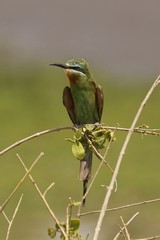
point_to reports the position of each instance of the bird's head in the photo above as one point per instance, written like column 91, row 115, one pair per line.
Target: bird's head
column 75, row 69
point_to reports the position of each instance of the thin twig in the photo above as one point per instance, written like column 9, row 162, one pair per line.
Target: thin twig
column 121, row 207
column 19, row 183
column 68, row 216
column 130, row 220
column 13, row 217
column 102, row 159
column 125, row 229
column 149, row 238
column 122, row 233
column 38, row 134
column 67, row 220
column 44, row 200
column 122, row 152
column 48, row 188
column 155, row 132
column 147, row 131
column 7, row 219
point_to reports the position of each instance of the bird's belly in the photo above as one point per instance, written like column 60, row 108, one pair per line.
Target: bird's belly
column 85, row 109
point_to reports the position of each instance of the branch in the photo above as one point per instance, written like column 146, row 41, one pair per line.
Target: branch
column 108, row 194
column 149, row 238
column 121, row 207
column 99, row 156
column 154, row 132
column 42, row 195
column 126, row 233
column 130, row 220
column 102, row 159
column 38, row 134
column 13, row 217
column 141, row 130
column 48, row 188
column 19, row 183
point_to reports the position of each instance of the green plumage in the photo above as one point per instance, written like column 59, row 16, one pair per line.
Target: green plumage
column 84, row 103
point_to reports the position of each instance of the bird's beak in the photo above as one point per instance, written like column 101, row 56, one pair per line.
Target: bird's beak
column 60, row 65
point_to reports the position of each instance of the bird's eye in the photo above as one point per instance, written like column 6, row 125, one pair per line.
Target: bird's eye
column 77, row 69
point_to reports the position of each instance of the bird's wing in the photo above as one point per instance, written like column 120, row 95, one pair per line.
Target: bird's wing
column 99, row 100
column 69, row 104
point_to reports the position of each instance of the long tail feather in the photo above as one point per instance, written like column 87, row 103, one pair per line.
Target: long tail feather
column 85, row 182
column 85, row 171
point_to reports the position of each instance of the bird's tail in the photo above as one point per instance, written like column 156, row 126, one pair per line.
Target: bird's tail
column 85, row 171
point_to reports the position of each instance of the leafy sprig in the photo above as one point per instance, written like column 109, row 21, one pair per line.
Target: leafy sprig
column 88, row 136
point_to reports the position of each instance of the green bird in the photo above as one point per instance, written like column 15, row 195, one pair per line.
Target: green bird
column 84, row 103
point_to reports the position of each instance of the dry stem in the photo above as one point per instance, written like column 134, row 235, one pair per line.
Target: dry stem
column 121, row 207
column 130, row 220
column 42, row 195
column 108, row 194
column 154, row 132
column 149, row 238
column 13, row 217
column 19, row 183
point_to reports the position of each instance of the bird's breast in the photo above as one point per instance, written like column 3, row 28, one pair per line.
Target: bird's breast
column 85, row 105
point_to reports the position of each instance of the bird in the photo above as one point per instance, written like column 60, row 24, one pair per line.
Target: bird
column 83, row 100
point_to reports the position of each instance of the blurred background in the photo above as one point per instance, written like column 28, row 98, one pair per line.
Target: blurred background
column 120, row 40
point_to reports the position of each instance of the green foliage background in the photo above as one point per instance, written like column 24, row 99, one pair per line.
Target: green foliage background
column 31, row 101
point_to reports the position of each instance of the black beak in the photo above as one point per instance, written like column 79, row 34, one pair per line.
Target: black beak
column 60, row 65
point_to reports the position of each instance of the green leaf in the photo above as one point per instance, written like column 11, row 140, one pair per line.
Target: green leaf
column 100, row 137
column 100, row 142
column 90, row 127
column 78, row 134
column 75, row 224
column 99, row 132
column 52, row 232
column 61, row 224
column 112, row 136
column 76, row 203
column 78, row 150
column 143, row 126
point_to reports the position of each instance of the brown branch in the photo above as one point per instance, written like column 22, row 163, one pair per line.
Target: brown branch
column 99, row 156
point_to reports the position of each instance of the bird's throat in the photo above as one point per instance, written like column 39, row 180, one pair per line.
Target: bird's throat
column 72, row 77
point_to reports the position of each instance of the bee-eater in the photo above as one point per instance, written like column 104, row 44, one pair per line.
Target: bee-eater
column 84, row 103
